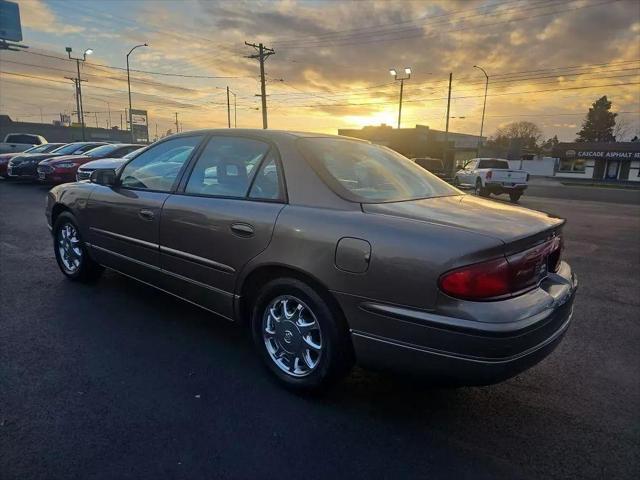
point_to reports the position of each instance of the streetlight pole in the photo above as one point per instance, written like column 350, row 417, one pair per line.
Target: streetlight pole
column 484, row 107
column 88, row 51
column 407, row 76
column 129, row 88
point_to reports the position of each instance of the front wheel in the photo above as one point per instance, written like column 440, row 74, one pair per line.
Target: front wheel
column 303, row 341
column 480, row 190
column 71, row 252
column 515, row 196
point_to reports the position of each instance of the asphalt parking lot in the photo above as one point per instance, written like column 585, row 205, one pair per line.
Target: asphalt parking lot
column 119, row 381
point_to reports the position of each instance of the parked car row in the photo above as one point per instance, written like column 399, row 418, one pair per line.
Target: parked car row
column 59, row 163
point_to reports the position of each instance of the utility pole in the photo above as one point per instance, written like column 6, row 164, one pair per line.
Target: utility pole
column 121, row 122
column 228, row 109
column 235, row 112
column 484, row 107
column 446, row 132
column 109, row 117
column 88, row 51
column 96, row 114
column 78, row 109
column 177, row 126
column 262, row 55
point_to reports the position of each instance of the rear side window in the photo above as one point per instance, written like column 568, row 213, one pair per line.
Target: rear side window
column 226, row 166
column 158, row 167
column 22, row 138
column 493, row 163
column 267, row 184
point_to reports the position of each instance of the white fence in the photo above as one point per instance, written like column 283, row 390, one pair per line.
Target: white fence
column 542, row 167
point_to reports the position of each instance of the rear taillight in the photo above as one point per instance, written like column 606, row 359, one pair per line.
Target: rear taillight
column 479, row 281
column 488, row 175
column 503, row 276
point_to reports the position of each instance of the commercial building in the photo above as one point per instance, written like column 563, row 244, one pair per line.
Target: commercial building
column 617, row 161
column 420, row 141
column 61, row 133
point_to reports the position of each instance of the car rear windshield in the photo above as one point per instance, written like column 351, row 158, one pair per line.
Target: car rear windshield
column 493, row 163
column 367, row 173
column 103, row 151
column 430, row 163
column 23, row 138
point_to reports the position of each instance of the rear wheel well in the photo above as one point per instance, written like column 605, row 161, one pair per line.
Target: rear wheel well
column 261, row 275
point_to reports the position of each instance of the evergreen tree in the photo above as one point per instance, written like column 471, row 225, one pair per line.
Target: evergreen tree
column 599, row 124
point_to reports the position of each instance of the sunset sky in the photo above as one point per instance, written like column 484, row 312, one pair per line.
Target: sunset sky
column 548, row 60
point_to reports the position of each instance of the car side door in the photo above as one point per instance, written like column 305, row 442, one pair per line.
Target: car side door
column 124, row 219
column 469, row 173
column 222, row 216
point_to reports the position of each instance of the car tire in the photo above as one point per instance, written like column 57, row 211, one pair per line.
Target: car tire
column 283, row 338
column 514, row 197
column 71, row 252
column 480, row 190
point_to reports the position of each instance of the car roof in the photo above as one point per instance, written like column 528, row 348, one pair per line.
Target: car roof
column 267, row 134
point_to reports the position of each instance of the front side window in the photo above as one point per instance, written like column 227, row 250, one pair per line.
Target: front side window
column 158, row 167
column 226, row 166
column 367, row 173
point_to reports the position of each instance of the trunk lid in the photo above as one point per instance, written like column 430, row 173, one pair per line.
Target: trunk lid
column 508, row 176
column 513, row 225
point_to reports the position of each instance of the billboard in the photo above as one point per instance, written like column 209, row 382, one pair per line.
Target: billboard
column 10, row 29
column 140, row 125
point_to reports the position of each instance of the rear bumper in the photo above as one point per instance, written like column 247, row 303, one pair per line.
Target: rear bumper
column 456, row 350
column 500, row 187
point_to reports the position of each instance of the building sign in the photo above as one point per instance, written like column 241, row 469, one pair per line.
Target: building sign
column 140, row 125
column 10, row 29
column 602, row 154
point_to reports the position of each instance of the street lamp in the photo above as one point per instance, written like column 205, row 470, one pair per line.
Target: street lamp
column 486, row 87
column 78, row 82
column 394, row 73
column 129, row 88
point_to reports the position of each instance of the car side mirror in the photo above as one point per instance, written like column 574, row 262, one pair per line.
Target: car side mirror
column 104, row 176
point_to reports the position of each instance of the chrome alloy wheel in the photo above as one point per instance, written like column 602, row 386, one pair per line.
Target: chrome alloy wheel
column 69, row 248
column 292, row 336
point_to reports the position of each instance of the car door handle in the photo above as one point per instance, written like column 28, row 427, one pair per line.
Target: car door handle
column 242, row 229
column 146, row 214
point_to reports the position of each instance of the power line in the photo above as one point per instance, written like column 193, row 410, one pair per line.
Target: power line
column 330, row 37
column 148, row 72
column 302, row 45
column 467, row 96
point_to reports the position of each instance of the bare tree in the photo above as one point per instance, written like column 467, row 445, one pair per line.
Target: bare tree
column 621, row 130
column 527, row 133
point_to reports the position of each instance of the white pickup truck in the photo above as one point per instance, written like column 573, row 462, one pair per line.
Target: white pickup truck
column 19, row 142
column 492, row 175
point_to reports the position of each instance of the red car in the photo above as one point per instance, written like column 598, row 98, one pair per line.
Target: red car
column 63, row 169
column 5, row 157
